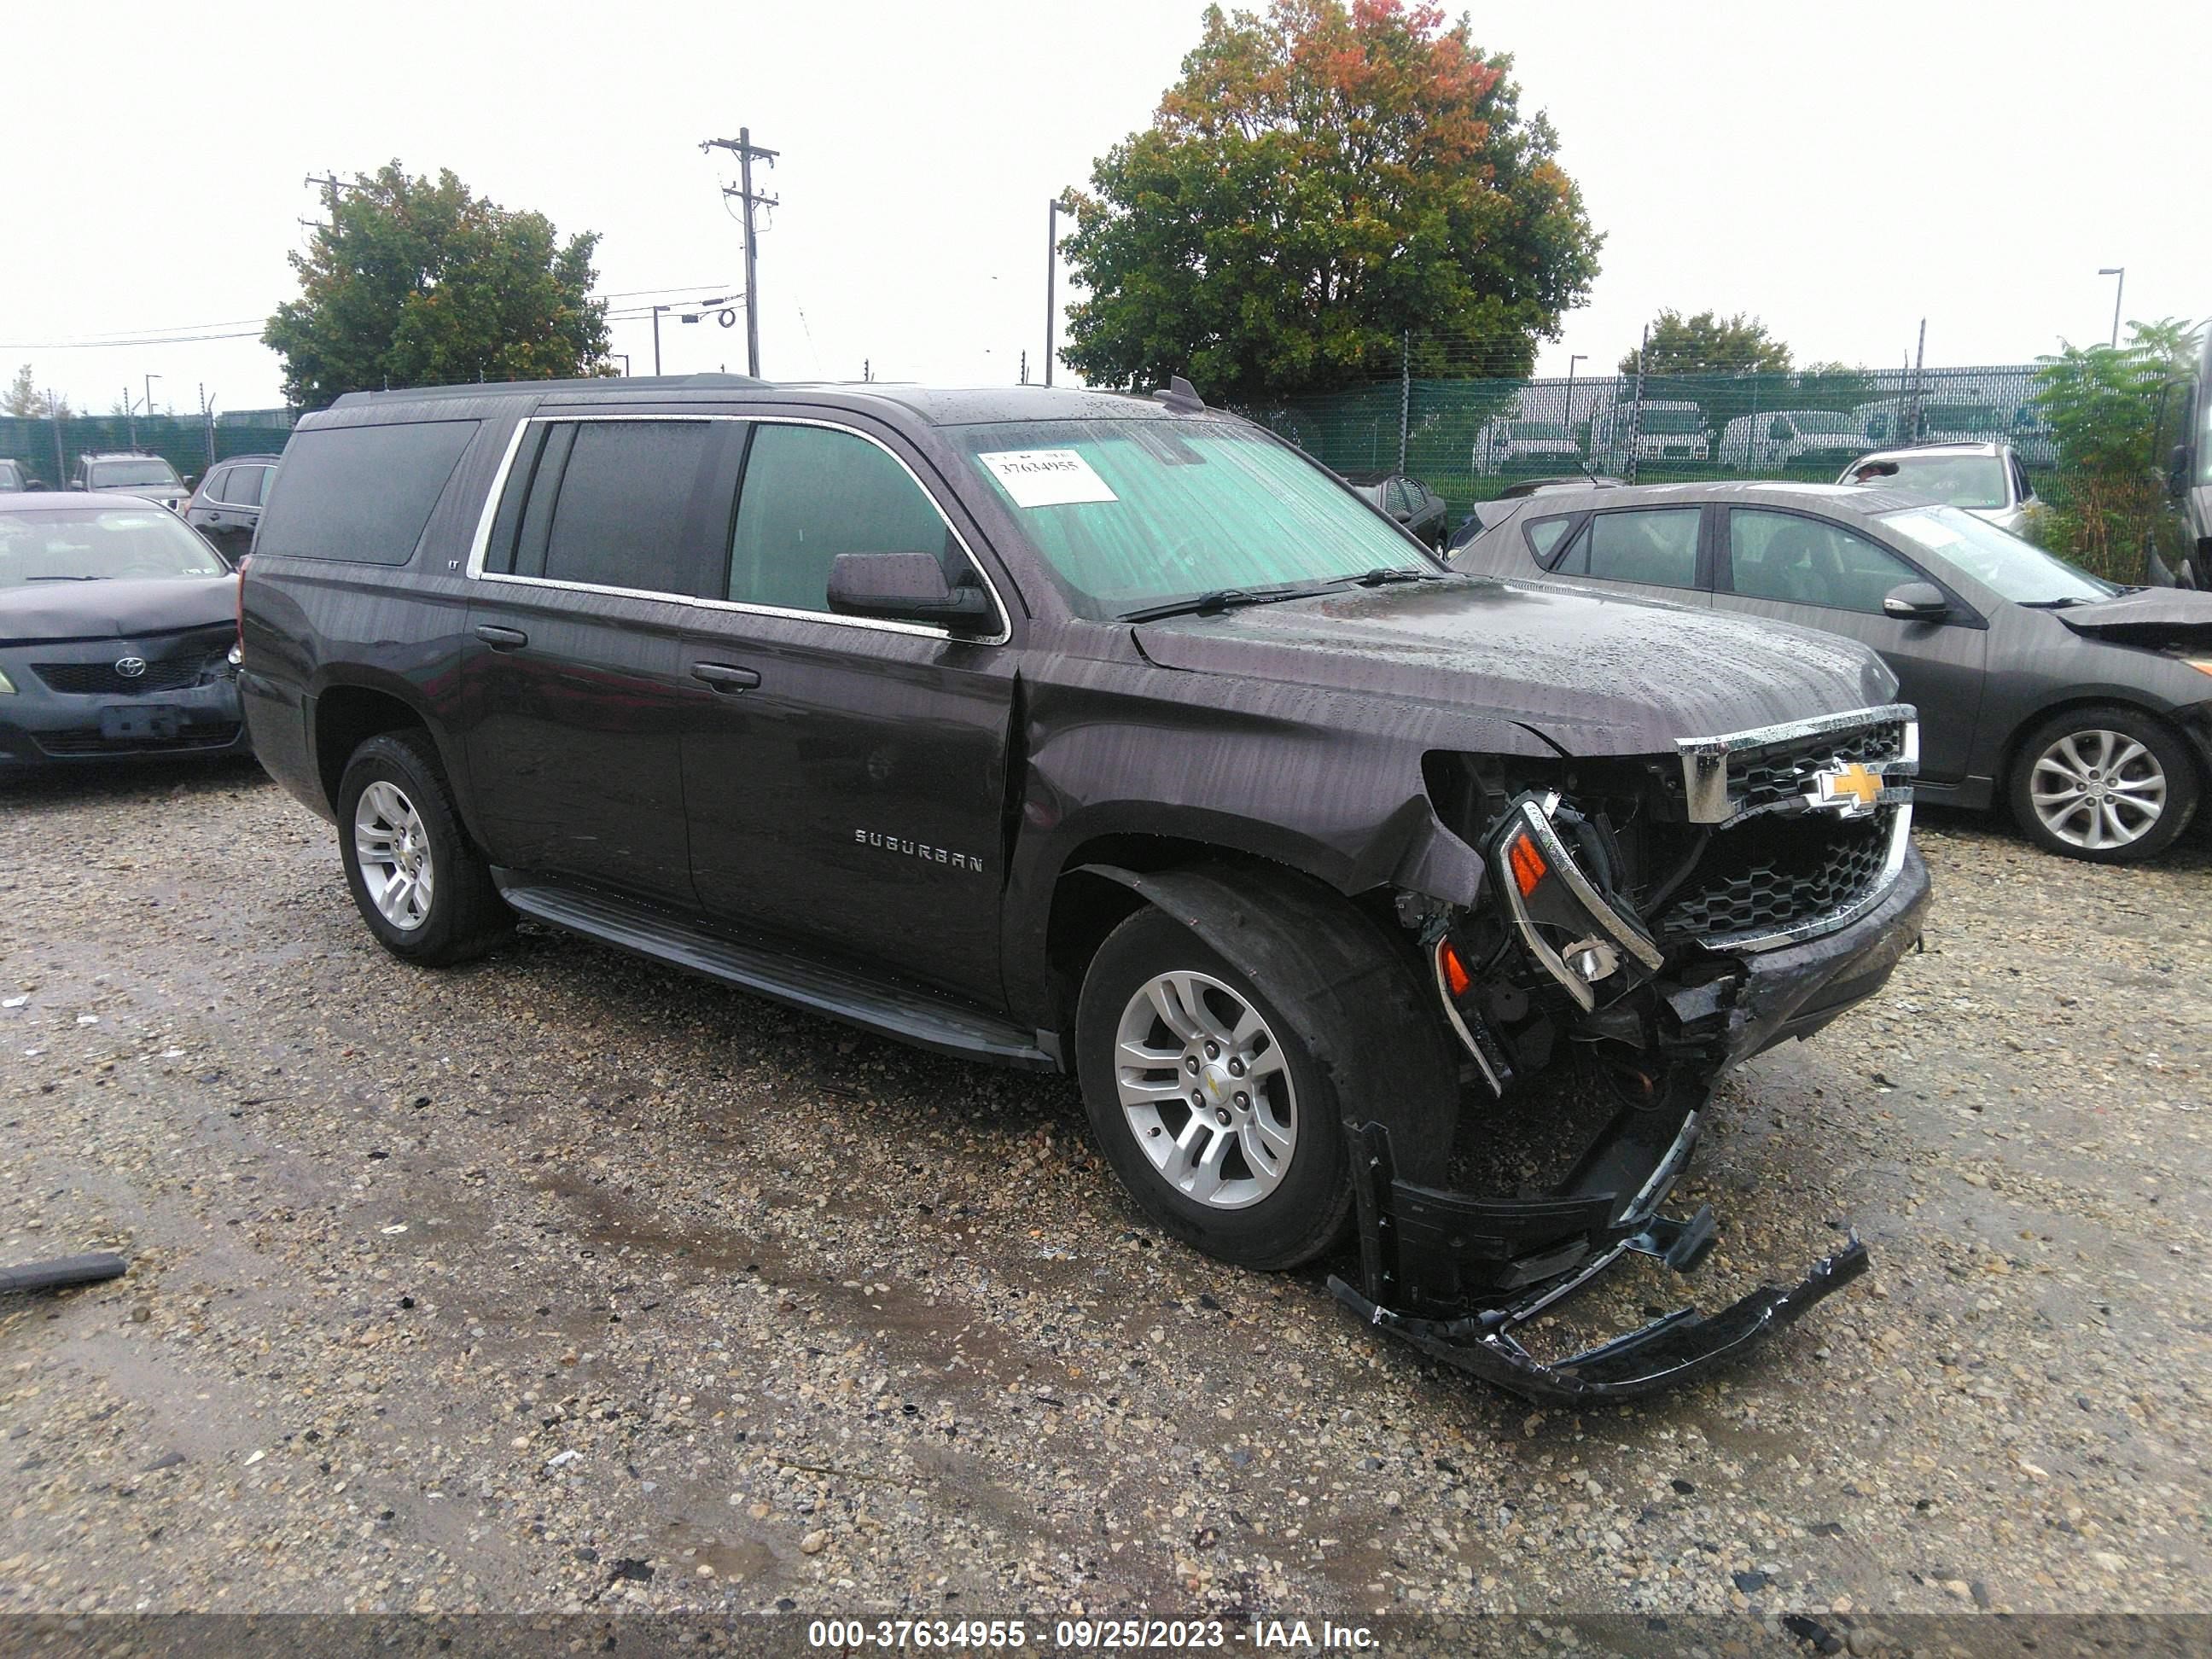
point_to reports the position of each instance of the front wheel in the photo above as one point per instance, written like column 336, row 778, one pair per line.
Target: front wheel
column 2108, row 784
column 421, row 887
column 1206, row 1103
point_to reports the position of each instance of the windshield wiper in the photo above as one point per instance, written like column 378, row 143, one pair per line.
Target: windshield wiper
column 65, row 579
column 1378, row 576
column 1219, row 599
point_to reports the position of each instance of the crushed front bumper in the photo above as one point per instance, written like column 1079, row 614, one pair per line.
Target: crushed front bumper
column 1456, row 1275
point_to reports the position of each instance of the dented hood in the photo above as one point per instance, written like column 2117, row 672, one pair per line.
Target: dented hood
column 2148, row 616
column 119, row 608
column 1595, row 675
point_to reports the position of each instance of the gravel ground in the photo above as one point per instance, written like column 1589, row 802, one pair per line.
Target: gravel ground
column 564, row 1283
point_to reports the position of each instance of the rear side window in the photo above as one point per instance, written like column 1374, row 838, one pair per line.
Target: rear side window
column 623, row 501
column 240, row 486
column 360, row 492
column 1658, row 546
column 1543, row 538
column 811, row 493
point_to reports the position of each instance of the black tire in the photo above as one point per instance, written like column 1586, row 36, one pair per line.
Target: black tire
column 2161, row 746
column 463, row 915
column 1305, row 1213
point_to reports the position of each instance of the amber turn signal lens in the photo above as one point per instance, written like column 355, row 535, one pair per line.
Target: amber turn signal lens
column 1457, row 978
column 1528, row 865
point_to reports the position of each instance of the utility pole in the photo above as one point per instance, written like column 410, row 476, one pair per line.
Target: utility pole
column 1569, row 421
column 207, row 422
column 745, row 149
column 1635, row 409
column 1919, row 357
column 129, row 416
column 1053, row 210
column 61, row 466
column 1405, row 392
column 331, row 184
column 656, row 310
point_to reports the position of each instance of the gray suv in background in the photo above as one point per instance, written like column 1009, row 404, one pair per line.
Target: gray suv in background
column 227, row 506
column 1985, row 479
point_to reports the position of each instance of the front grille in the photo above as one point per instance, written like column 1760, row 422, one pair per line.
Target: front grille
column 1770, row 874
column 101, row 679
column 1776, row 772
column 191, row 738
column 1793, row 847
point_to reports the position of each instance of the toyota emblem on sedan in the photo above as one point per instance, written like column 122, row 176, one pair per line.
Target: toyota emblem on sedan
column 131, row 667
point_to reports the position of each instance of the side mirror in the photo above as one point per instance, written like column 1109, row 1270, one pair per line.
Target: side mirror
column 76, row 484
column 1403, row 514
column 904, row 588
column 1915, row 602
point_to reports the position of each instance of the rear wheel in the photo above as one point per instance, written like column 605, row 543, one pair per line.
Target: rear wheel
column 1205, row 1102
column 2109, row 785
column 423, row 888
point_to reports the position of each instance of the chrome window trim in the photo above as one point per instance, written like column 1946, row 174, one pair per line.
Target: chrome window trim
column 480, row 544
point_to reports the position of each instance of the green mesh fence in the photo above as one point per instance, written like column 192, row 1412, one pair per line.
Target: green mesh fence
column 1469, row 440
column 49, row 449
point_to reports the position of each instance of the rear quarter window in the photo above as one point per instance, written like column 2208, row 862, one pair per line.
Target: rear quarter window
column 360, row 494
column 1543, row 538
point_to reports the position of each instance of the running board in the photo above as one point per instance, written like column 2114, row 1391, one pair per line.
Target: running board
column 912, row 1016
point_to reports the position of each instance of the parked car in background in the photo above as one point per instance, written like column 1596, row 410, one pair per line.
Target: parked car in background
column 1985, row 478
column 1818, row 438
column 133, row 474
column 13, row 478
column 227, row 506
column 118, row 634
column 1408, row 500
column 1107, row 736
column 2086, row 707
column 1490, row 511
column 1511, row 444
column 1655, row 430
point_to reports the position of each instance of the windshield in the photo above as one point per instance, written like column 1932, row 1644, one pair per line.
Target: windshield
column 11, row 475
column 1539, row 430
column 2000, row 561
column 118, row 474
column 1131, row 514
column 1969, row 481
column 1823, row 420
column 78, row 543
column 1656, row 419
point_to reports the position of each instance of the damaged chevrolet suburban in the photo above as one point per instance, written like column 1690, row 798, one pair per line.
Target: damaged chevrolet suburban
column 1114, row 737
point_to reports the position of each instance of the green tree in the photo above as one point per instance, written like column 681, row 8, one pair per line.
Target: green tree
column 23, row 399
column 1321, row 181
column 1708, row 344
column 2106, row 406
column 418, row 282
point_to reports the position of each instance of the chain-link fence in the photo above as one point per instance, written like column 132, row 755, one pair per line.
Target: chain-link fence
column 1469, row 440
column 48, row 449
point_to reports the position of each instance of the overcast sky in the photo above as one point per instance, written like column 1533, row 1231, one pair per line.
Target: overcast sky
column 1839, row 172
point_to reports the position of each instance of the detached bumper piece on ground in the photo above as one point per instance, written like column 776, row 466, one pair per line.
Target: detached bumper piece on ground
column 1423, row 1251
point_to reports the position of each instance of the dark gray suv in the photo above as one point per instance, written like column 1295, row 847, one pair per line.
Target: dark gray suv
column 227, row 506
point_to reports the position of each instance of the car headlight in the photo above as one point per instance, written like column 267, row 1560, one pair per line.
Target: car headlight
column 8, row 686
column 2202, row 665
column 236, row 655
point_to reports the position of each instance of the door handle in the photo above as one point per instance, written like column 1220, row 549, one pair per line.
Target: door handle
column 724, row 677
column 502, row 639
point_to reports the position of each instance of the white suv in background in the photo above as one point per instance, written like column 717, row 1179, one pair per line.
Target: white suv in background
column 1986, row 480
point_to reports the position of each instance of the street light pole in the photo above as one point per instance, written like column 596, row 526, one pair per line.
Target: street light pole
column 656, row 310
column 150, row 378
column 2118, row 288
column 1054, row 209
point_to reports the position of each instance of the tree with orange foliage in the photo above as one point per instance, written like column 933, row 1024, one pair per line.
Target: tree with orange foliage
column 1321, row 181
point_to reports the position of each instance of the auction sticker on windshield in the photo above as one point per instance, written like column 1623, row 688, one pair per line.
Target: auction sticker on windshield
column 1047, row 477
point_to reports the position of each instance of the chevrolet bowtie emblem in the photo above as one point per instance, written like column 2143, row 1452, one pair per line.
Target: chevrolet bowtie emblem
column 1851, row 790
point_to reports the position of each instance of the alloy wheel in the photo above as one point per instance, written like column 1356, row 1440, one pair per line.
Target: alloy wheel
column 2097, row 789
column 1206, row 1090
column 393, row 850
